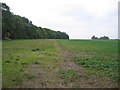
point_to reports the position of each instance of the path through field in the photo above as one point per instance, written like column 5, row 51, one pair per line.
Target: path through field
column 62, row 73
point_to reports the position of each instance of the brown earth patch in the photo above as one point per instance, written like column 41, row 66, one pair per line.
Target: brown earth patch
column 43, row 78
column 42, row 56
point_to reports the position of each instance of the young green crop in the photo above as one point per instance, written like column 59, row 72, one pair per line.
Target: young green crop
column 95, row 55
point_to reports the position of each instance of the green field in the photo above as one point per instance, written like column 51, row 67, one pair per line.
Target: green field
column 60, row 63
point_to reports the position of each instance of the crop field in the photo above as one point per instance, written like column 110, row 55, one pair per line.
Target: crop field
column 50, row 63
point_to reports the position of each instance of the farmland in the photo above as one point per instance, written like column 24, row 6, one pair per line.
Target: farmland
column 60, row 63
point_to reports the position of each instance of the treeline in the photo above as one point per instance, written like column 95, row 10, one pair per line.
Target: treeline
column 101, row 38
column 17, row 27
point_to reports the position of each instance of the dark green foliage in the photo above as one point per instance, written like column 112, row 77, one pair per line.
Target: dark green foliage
column 93, row 37
column 107, row 65
column 101, row 38
column 34, row 50
column 8, row 62
column 17, row 27
column 104, row 38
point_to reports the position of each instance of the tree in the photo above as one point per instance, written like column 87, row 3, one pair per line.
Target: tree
column 104, row 38
column 5, row 7
column 17, row 27
column 7, row 21
column 93, row 37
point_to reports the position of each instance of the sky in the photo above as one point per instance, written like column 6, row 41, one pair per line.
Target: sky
column 80, row 19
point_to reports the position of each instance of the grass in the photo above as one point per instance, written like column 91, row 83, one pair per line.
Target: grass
column 67, row 75
column 98, row 57
column 97, row 63
column 103, row 47
column 18, row 54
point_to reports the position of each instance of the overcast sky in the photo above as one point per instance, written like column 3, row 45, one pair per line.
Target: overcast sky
column 80, row 19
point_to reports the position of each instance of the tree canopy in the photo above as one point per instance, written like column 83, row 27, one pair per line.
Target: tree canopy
column 17, row 27
column 93, row 37
column 101, row 38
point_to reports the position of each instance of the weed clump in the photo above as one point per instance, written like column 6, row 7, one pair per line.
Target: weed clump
column 15, row 62
column 13, row 80
column 21, row 70
column 36, row 62
column 17, row 59
column 23, row 63
column 35, row 50
column 7, row 61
